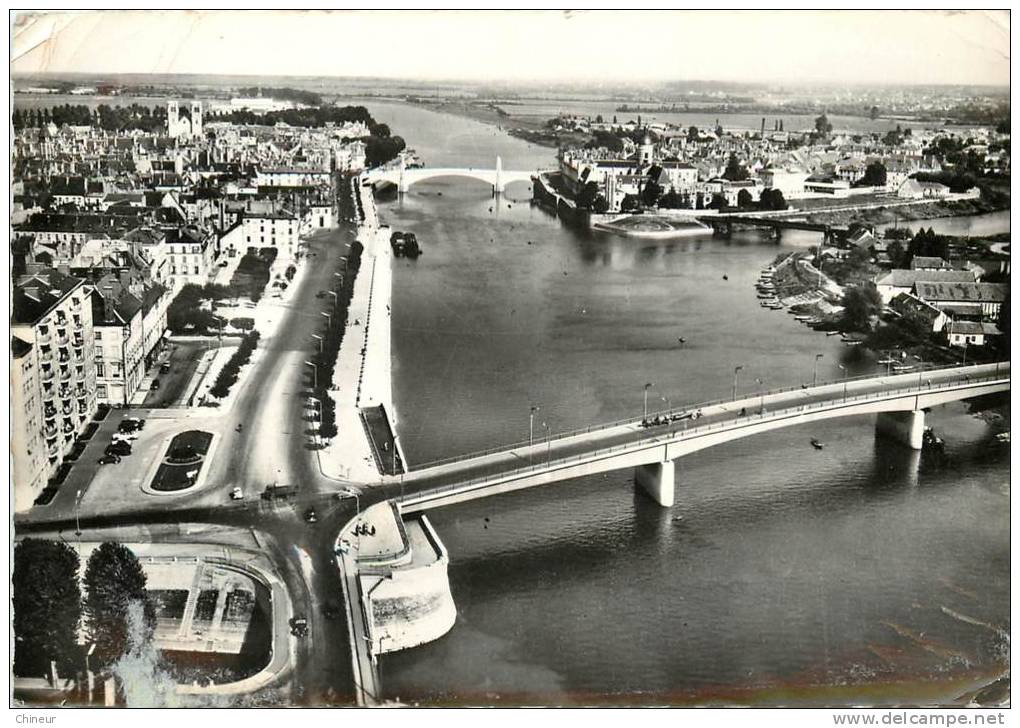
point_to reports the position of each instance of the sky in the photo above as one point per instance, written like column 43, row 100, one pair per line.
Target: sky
column 900, row 47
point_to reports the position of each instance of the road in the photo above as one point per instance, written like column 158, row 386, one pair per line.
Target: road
column 273, row 445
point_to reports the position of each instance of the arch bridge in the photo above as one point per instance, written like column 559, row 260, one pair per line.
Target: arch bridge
column 403, row 177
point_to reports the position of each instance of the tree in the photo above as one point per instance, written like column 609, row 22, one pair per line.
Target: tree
column 822, row 125
column 600, row 205
column 744, row 199
column 718, row 201
column 47, row 605
column 598, row 118
column 693, row 134
column 861, row 304
column 651, row 193
column 735, row 171
column 671, row 200
column 587, row 195
column 874, row 113
column 113, row 580
column 897, row 253
column 630, row 203
column 874, row 175
column 772, row 199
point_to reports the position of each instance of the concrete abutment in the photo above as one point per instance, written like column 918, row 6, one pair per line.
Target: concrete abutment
column 906, row 428
column 658, row 481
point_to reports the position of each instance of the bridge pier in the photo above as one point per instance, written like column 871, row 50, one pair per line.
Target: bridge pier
column 907, row 428
column 658, row 480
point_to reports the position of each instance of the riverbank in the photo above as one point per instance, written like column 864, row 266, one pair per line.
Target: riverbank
column 892, row 214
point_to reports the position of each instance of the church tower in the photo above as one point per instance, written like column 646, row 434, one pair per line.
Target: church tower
column 172, row 121
column 196, row 118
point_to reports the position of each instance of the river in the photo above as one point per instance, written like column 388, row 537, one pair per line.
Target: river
column 795, row 575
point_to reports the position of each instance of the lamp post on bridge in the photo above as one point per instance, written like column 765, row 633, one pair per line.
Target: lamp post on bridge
column 736, row 371
column 548, row 442
column 531, row 433
column 648, row 386
column 761, row 391
column 843, row 368
column 319, row 339
column 814, row 377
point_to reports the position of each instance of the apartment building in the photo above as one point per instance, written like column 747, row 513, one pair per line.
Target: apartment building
column 53, row 379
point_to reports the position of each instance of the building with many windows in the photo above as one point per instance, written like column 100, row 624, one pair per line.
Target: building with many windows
column 53, row 380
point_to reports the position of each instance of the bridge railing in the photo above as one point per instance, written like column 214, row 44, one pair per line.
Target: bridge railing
column 677, row 433
column 566, row 434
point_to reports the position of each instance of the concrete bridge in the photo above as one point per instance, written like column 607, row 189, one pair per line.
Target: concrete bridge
column 498, row 178
column 899, row 401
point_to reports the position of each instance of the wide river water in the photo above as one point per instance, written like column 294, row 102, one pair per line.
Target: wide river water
column 795, row 575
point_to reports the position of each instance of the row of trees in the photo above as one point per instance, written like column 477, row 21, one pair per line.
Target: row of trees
column 331, row 340
column 49, row 608
column 228, row 375
column 108, row 118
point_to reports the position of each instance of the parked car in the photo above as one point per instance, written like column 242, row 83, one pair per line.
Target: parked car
column 124, row 436
column 236, row 494
column 155, row 384
column 118, row 448
column 164, row 368
column 130, row 424
column 310, row 516
column 109, row 459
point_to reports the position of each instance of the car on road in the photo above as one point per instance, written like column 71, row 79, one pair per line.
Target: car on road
column 310, row 516
column 109, row 459
column 236, row 494
column 155, row 384
column 164, row 368
column 130, row 424
column 223, row 264
column 125, row 435
column 299, row 626
column 120, row 448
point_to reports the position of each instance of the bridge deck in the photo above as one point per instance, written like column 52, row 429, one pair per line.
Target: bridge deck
column 526, row 460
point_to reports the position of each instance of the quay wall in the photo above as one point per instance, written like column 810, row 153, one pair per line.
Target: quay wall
column 413, row 605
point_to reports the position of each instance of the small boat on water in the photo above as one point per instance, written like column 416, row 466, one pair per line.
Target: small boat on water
column 887, row 360
column 817, row 444
column 833, row 333
column 775, row 306
column 852, row 342
column 802, row 317
column 900, row 368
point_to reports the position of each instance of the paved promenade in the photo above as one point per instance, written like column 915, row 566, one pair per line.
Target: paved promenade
column 362, row 376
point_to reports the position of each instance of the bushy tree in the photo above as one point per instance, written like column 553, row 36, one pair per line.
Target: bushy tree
column 860, row 305
column 114, row 579
column 47, row 605
column 822, row 125
column 735, row 171
column 874, row 175
column 772, row 199
column 651, row 193
column 744, row 199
